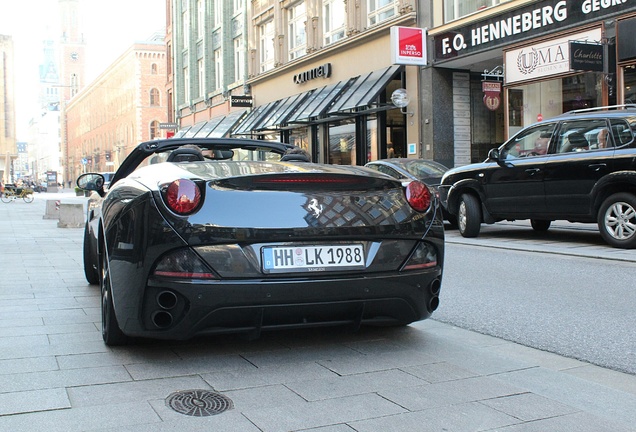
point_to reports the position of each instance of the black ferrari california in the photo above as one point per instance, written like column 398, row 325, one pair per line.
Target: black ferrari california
column 210, row 236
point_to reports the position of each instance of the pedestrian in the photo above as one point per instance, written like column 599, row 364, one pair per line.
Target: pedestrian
column 1, row 188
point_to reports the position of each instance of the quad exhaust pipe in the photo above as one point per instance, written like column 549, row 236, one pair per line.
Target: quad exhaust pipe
column 166, row 300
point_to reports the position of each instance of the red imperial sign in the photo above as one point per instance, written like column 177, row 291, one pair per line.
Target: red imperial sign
column 408, row 46
column 492, row 90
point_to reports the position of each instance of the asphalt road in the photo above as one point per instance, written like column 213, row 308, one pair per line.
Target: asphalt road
column 578, row 307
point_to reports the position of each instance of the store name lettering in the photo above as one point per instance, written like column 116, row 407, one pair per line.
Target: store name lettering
column 323, row 71
column 521, row 23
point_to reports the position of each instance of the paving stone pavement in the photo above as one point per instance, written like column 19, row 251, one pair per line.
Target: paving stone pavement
column 57, row 375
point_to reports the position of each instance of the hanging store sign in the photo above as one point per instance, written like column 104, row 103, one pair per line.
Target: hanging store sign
column 586, row 57
column 544, row 59
column 408, row 46
column 241, row 101
column 492, row 94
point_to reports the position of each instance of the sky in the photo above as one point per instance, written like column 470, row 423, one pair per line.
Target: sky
column 110, row 28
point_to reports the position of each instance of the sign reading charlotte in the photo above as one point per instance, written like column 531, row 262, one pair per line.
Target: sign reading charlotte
column 523, row 22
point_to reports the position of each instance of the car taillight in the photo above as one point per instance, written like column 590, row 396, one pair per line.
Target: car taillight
column 424, row 256
column 418, row 195
column 183, row 196
column 183, row 264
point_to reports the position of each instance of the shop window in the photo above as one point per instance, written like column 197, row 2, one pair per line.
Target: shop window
column 297, row 18
column 333, row 18
column 629, row 82
column 455, row 9
column 342, row 143
column 380, row 10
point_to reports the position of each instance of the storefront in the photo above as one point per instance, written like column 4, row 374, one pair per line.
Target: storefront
column 548, row 57
column 338, row 107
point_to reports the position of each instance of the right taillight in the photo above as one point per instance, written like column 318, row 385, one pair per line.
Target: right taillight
column 418, row 195
column 424, row 256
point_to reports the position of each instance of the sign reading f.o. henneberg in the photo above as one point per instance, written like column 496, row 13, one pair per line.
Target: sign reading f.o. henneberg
column 544, row 59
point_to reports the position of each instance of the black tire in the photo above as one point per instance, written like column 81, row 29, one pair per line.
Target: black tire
column 617, row 220
column 111, row 332
column 540, row 225
column 468, row 216
column 90, row 260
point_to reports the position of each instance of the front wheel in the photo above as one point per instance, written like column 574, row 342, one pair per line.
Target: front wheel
column 540, row 225
column 617, row 220
column 28, row 198
column 469, row 216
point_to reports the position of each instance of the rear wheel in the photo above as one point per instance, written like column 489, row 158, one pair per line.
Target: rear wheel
column 5, row 198
column 111, row 333
column 617, row 220
column 469, row 216
column 540, row 225
column 28, row 198
column 90, row 261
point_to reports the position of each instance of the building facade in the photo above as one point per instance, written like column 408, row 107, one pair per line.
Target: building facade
column 8, row 150
column 124, row 106
column 538, row 59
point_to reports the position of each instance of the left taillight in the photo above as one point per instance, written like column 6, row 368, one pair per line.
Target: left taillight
column 418, row 195
column 182, row 264
column 182, row 196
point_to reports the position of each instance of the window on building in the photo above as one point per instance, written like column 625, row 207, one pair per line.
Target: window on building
column 154, row 97
column 218, row 69
column 218, row 12
column 238, row 6
column 74, row 81
column 200, row 18
column 186, row 85
column 455, row 9
column 381, row 10
column 153, row 69
column 201, row 76
column 297, row 17
column 154, row 129
column 185, row 23
column 239, row 59
column 266, row 35
column 333, row 20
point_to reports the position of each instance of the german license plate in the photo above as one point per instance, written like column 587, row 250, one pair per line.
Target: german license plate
column 313, row 258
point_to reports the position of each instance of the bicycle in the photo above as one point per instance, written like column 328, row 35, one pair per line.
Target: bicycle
column 11, row 194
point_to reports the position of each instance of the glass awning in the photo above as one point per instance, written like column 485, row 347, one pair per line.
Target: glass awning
column 365, row 90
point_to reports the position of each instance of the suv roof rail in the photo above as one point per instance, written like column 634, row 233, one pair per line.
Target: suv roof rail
column 602, row 108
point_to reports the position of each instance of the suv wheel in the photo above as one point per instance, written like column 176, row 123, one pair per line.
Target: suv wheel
column 468, row 216
column 540, row 225
column 617, row 220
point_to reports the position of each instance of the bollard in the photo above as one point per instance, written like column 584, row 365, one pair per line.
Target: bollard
column 52, row 209
column 71, row 216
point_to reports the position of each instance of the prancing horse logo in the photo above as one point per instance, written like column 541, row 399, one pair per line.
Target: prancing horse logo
column 315, row 207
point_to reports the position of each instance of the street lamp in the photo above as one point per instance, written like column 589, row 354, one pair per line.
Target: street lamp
column 401, row 99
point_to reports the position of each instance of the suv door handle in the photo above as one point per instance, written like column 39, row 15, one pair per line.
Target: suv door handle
column 533, row 171
column 597, row 167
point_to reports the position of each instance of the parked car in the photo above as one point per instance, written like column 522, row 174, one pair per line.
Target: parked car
column 205, row 236
column 408, row 169
column 578, row 167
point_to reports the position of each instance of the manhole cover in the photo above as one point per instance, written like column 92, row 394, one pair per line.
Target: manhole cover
column 199, row 403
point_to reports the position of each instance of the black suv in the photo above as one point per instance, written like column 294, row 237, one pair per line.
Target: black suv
column 579, row 167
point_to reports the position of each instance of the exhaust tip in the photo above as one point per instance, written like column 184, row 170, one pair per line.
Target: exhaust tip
column 167, row 300
column 162, row 319
column 433, row 304
column 435, row 287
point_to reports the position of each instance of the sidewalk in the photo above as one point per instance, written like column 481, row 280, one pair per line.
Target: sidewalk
column 57, row 375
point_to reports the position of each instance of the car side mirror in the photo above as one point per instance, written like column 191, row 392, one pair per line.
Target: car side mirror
column 494, row 155
column 90, row 181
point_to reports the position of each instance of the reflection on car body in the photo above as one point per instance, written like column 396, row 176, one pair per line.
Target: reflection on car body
column 247, row 242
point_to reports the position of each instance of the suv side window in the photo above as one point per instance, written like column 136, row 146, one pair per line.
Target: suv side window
column 583, row 135
column 621, row 131
column 533, row 141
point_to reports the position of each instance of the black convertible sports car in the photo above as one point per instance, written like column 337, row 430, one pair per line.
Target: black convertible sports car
column 204, row 236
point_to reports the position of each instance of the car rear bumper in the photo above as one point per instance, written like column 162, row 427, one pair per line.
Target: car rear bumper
column 173, row 310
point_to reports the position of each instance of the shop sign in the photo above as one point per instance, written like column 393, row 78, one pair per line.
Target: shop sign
column 168, row 126
column 586, row 57
column 323, row 71
column 408, row 46
column 492, row 94
column 534, row 20
column 544, row 59
column 241, row 101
